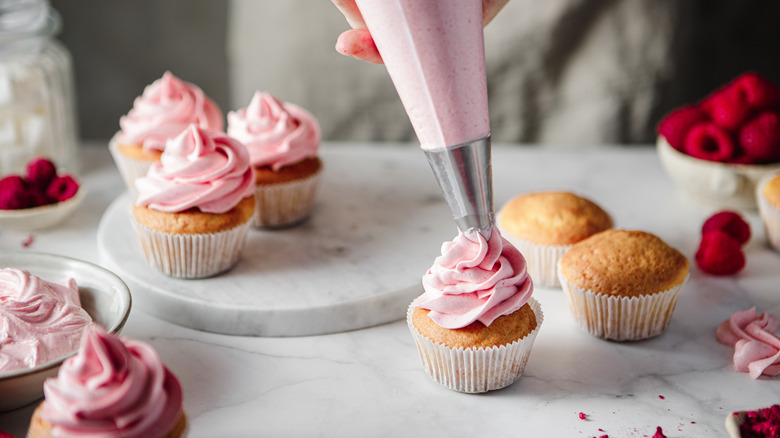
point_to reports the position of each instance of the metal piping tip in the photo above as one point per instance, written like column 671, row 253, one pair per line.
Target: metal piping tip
column 465, row 177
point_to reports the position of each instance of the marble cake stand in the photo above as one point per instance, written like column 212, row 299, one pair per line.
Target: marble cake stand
column 377, row 225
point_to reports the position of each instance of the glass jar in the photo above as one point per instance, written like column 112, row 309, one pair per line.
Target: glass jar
column 37, row 103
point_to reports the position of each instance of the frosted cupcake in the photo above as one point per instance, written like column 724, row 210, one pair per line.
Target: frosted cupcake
column 768, row 198
column 111, row 388
column 166, row 107
column 622, row 285
column 476, row 322
column 283, row 141
column 195, row 205
column 544, row 225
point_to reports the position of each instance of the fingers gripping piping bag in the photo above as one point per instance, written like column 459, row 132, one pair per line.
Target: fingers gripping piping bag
column 434, row 52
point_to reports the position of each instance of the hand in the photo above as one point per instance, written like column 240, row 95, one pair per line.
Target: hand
column 358, row 43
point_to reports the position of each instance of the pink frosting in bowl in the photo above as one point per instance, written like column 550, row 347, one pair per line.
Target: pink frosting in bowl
column 475, row 279
column 201, row 169
column 276, row 133
column 756, row 344
column 112, row 388
column 166, row 107
column 40, row 321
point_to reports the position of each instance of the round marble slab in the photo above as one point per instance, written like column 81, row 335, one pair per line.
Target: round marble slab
column 377, row 225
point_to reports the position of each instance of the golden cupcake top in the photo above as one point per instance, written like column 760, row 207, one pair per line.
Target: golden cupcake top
column 553, row 218
column 624, row 263
column 771, row 191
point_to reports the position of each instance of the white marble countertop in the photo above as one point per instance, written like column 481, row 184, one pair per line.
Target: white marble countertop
column 370, row 382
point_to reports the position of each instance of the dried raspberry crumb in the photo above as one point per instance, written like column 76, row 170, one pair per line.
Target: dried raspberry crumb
column 26, row 243
column 731, row 223
column 661, row 397
column 761, row 423
column 719, row 254
column 659, row 433
column 583, row 416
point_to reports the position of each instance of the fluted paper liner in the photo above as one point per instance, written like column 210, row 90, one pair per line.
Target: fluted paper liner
column 191, row 255
column 541, row 260
column 770, row 214
column 475, row 370
column 129, row 168
column 621, row 318
column 287, row 203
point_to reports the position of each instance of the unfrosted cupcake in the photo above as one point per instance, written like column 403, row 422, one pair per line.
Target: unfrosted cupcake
column 166, row 107
column 623, row 285
column 113, row 387
column 283, row 141
column 195, row 205
column 768, row 197
column 544, row 225
column 476, row 322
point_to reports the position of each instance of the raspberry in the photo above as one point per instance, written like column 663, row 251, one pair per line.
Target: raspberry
column 756, row 91
column 760, row 138
column 729, row 222
column 726, row 108
column 709, row 142
column 675, row 126
column 40, row 172
column 12, row 189
column 62, row 188
column 719, row 254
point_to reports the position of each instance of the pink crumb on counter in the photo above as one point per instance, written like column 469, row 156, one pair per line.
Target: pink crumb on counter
column 662, row 397
column 659, row 433
column 583, row 416
column 26, row 243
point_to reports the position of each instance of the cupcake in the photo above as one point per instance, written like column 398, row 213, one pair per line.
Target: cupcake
column 283, row 140
column 768, row 198
column 112, row 387
column 195, row 205
column 166, row 107
column 476, row 322
column 622, row 285
column 544, row 225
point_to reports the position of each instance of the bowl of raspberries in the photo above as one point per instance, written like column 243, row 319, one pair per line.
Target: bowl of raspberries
column 716, row 150
column 40, row 198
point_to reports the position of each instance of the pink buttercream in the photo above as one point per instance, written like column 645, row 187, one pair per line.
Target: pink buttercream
column 277, row 134
column 199, row 168
column 40, row 321
column 475, row 280
column 756, row 346
column 166, row 107
column 113, row 387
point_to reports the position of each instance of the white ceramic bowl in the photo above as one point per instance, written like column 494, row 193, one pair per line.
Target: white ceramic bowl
column 103, row 295
column 718, row 185
column 35, row 218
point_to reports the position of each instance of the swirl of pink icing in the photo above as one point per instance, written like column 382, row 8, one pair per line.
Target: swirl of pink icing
column 40, row 321
column 199, row 168
column 112, row 387
column 166, row 107
column 277, row 134
column 756, row 346
column 475, row 280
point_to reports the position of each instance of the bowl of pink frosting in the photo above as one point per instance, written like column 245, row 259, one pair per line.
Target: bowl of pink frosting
column 30, row 350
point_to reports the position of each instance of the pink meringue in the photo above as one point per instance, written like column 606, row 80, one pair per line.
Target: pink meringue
column 756, row 344
column 475, row 279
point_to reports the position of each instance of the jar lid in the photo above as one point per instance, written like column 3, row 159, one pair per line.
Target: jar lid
column 27, row 19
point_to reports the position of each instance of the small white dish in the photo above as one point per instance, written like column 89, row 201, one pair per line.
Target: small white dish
column 36, row 218
column 103, row 295
column 718, row 185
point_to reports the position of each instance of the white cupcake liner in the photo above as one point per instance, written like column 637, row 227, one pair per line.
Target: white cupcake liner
column 278, row 205
column 475, row 370
column 129, row 168
column 621, row 318
column 191, row 255
column 770, row 214
column 542, row 260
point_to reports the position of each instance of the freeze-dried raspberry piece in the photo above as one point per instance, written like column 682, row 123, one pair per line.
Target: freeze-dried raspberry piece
column 729, row 222
column 756, row 91
column 659, row 433
column 709, row 142
column 62, row 188
column 675, row 126
column 40, row 172
column 719, row 254
column 763, row 422
column 760, row 138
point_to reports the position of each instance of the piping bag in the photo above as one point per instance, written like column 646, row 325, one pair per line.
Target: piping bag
column 434, row 52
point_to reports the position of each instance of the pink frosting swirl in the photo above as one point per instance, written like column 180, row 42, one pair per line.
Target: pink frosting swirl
column 166, row 107
column 756, row 346
column 277, row 134
column 112, row 388
column 40, row 321
column 475, row 280
column 199, row 168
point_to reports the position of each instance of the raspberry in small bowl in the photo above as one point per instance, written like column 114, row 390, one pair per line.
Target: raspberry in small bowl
column 718, row 149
